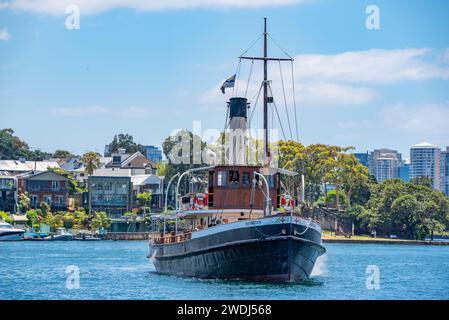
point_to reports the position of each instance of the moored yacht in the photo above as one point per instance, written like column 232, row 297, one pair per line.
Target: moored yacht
column 9, row 233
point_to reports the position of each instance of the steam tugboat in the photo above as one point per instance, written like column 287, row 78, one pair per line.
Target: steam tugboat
column 245, row 224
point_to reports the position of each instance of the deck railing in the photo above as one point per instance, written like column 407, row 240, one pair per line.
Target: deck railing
column 170, row 238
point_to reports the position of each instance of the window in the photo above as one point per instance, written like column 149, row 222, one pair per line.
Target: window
column 33, row 200
column 234, row 176
column 55, row 185
column 116, row 159
column 246, row 179
column 221, row 178
column 47, row 198
column 59, row 200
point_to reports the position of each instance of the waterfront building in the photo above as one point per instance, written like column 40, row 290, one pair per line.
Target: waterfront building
column 425, row 162
column 8, row 192
column 149, row 183
column 47, row 187
column 384, row 164
column 111, row 191
column 363, row 158
column 153, row 153
column 404, row 170
column 76, row 167
column 444, row 171
column 136, row 162
column 16, row 167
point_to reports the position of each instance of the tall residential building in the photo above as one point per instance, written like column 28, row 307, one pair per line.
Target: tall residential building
column 425, row 162
column 444, row 171
column 363, row 158
column 384, row 164
column 154, row 153
column 404, row 170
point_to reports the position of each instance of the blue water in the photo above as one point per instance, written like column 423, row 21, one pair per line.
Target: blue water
column 120, row 270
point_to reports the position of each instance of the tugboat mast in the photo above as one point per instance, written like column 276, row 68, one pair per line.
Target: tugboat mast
column 266, row 100
column 265, row 92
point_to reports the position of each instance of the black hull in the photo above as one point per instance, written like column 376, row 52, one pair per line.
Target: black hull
column 255, row 255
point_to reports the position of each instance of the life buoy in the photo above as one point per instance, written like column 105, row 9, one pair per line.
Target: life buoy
column 199, row 201
column 287, row 202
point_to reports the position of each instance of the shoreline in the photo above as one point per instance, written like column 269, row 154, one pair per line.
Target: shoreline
column 387, row 241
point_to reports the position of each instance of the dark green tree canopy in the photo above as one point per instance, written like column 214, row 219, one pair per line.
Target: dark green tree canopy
column 124, row 141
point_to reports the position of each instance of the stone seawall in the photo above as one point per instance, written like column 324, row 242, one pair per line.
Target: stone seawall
column 126, row 236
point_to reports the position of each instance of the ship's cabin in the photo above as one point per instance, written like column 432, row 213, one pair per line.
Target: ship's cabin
column 226, row 194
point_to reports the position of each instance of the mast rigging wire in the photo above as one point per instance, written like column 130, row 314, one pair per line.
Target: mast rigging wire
column 285, row 100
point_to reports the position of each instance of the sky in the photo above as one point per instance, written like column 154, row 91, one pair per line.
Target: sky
column 149, row 67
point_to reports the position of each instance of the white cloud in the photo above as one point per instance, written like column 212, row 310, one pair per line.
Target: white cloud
column 345, row 79
column 4, row 35
column 401, row 118
column 422, row 119
column 57, row 7
column 79, row 112
column 127, row 112
column 374, row 66
column 3, row 5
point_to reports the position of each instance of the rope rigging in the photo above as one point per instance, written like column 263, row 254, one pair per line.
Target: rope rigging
column 294, row 102
column 277, row 113
column 285, row 100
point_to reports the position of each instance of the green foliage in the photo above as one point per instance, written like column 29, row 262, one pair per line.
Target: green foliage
column 145, row 198
column 408, row 209
column 12, row 147
column 73, row 184
column 161, row 169
column 124, row 141
column 101, row 221
column 62, row 154
column 24, row 202
column 53, row 220
column 171, row 148
column 5, row 216
column 332, row 197
column 33, row 217
column 45, row 208
column 91, row 161
column 321, row 163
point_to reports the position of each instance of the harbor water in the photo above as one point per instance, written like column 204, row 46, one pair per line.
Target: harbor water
column 120, row 270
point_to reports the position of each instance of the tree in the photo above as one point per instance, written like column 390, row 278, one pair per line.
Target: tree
column 53, row 220
column 45, row 208
column 171, row 151
column 5, row 216
column 126, row 142
column 101, row 221
column 91, row 161
column 145, row 198
column 24, row 202
column 63, row 154
column 405, row 212
column 11, row 147
column 161, row 170
column 33, row 217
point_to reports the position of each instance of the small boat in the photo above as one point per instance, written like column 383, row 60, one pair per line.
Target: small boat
column 61, row 235
column 9, row 233
column 85, row 237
